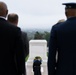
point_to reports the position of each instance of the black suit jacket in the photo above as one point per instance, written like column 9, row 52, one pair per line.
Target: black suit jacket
column 11, row 49
column 26, row 43
column 63, row 40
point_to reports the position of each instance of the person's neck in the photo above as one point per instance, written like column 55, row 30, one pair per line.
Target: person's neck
column 71, row 16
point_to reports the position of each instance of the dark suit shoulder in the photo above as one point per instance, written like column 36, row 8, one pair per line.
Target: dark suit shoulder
column 8, row 29
column 24, row 33
column 13, row 27
column 4, row 24
column 59, row 26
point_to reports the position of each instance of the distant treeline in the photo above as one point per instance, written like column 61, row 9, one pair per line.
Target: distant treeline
column 38, row 35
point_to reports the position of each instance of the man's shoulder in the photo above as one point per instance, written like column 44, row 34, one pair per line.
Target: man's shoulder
column 13, row 27
column 59, row 25
column 24, row 33
column 4, row 24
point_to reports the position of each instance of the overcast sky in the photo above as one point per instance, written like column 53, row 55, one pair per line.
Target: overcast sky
column 37, row 13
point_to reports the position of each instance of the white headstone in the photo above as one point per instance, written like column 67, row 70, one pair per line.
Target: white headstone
column 38, row 48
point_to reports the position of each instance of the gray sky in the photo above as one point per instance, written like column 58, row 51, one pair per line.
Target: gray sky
column 37, row 13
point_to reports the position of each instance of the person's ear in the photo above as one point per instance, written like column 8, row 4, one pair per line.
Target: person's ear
column 66, row 13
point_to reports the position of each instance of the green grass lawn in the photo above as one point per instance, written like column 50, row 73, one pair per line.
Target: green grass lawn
column 26, row 58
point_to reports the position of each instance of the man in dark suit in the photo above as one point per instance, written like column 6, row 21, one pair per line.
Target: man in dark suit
column 37, row 65
column 63, row 40
column 13, row 18
column 12, row 60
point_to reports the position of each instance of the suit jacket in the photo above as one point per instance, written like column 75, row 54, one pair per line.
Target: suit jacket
column 12, row 60
column 63, row 40
column 26, row 43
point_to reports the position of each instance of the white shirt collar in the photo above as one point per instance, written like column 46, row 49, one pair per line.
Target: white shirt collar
column 2, row 17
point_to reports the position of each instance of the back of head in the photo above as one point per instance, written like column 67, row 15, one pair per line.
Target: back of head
column 13, row 18
column 3, row 9
column 70, row 9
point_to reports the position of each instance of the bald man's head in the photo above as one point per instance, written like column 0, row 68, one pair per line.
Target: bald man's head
column 3, row 9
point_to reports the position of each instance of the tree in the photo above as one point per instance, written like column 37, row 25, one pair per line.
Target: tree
column 38, row 35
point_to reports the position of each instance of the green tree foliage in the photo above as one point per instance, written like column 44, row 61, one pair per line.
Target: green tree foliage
column 42, row 35
column 46, row 35
column 38, row 35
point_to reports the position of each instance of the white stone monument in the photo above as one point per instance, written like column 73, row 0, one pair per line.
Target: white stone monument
column 37, row 48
